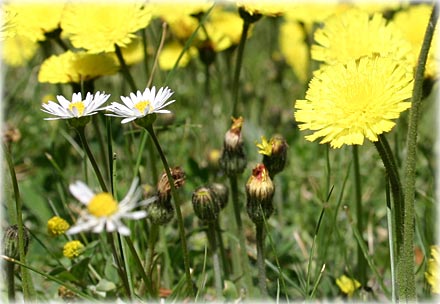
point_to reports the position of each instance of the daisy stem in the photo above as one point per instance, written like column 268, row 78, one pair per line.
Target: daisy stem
column 124, row 68
column 82, row 136
column 120, row 268
column 27, row 286
column 362, row 263
column 176, row 200
column 405, row 262
column 152, row 240
column 244, row 265
column 260, row 259
column 238, row 64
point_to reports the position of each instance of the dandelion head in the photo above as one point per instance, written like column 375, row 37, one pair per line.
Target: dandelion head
column 346, row 103
column 347, row 285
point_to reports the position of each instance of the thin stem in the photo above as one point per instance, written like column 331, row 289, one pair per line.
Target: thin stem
column 260, row 259
column 82, row 136
column 241, row 238
column 159, row 49
column 391, row 241
column 362, row 263
column 221, row 245
column 120, row 269
column 10, row 281
column 405, row 264
column 28, row 289
column 215, row 260
column 177, row 208
column 124, row 69
column 238, row 64
column 154, row 232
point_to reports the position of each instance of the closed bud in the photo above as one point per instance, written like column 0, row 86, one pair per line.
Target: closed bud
column 233, row 160
column 221, row 194
column 160, row 212
column 206, row 52
column 249, row 15
column 10, row 241
column 205, row 206
column 259, row 192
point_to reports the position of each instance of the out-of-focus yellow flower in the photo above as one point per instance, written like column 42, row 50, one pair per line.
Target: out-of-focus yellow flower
column 224, row 29
column 347, row 285
column 263, row 7
column 132, row 53
column 7, row 24
column 265, row 147
column 98, row 26
column 346, row 103
column 72, row 67
column 432, row 274
column 413, row 22
column 170, row 53
column 73, row 249
column 353, row 34
column 372, row 7
column 18, row 50
column 294, row 49
column 57, row 226
column 34, row 20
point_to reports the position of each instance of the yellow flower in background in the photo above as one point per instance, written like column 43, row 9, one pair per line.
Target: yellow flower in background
column 34, row 20
column 353, row 34
column 18, row 50
column 171, row 52
column 347, row 102
column 73, row 249
column 294, row 49
column 432, row 274
column 413, row 22
column 347, row 285
column 72, row 67
column 224, row 29
column 57, row 226
column 98, row 26
column 132, row 53
column 372, row 7
column 8, row 24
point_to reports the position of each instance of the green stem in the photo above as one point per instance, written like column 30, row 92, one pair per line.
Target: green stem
column 405, row 263
column 28, row 289
column 215, row 260
column 240, row 51
column 242, row 241
column 362, row 263
column 10, row 281
column 120, row 268
column 260, row 259
column 124, row 68
column 82, row 136
column 391, row 241
column 176, row 200
column 154, row 232
column 221, row 245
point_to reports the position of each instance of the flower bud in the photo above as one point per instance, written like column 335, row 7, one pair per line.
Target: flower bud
column 10, row 241
column 233, row 160
column 204, row 204
column 259, row 193
column 206, row 52
column 160, row 212
column 221, row 194
column 249, row 15
column 274, row 154
column 163, row 186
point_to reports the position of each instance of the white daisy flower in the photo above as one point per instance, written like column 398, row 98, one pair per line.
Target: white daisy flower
column 141, row 104
column 76, row 108
column 103, row 211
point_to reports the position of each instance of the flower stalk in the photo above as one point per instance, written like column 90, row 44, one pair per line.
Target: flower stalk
column 405, row 262
column 176, row 200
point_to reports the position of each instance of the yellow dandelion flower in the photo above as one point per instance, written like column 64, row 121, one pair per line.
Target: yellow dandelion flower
column 170, row 53
column 265, row 147
column 18, row 50
column 57, row 226
column 34, row 20
column 294, row 49
column 98, row 26
column 353, row 34
column 72, row 67
column 413, row 22
column 347, row 285
column 432, row 274
column 224, row 29
column 132, row 53
column 347, row 102
column 73, row 249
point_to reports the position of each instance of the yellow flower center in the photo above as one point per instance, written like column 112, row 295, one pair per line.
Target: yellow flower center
column 79, row 106
column 142, row 105
column 102, row 205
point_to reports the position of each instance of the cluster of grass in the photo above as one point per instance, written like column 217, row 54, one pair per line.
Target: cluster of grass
column 312, row 237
